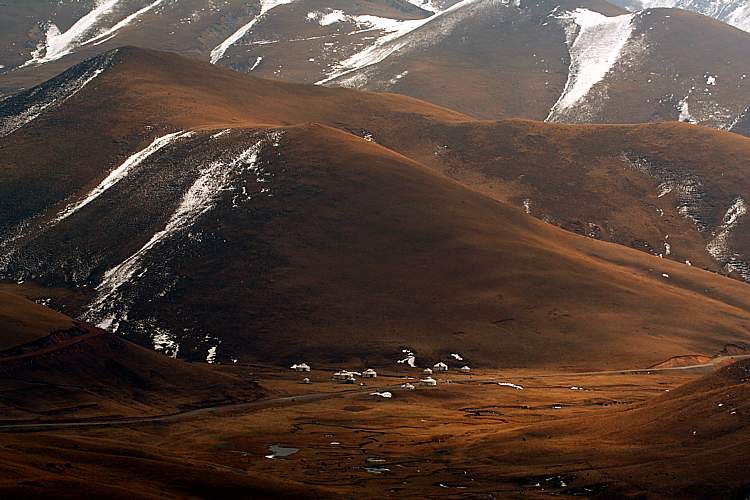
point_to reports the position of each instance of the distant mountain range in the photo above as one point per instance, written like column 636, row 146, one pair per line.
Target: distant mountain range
column 574, row 61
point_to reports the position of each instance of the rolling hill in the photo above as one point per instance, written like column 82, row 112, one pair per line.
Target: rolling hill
column 217, row 217
column 55, row 368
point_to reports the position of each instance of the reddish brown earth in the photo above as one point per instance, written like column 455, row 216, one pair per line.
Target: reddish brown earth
column 587, row 179
column 563, row 435
column 364, row 249
column 680, row 361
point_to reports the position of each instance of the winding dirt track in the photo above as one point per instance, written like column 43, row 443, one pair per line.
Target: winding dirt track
column 717, row 361
column 173, row 417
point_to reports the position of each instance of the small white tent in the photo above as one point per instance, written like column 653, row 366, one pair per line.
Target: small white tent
column 345, row 377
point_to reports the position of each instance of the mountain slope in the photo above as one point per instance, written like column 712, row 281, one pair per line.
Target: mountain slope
column 682, row 181
column 40, row 39
column 511, row 59
column 224, row 233
column 672, row 190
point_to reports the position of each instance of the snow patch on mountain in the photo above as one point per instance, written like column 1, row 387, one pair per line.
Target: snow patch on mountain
column 428, row 5
column 689, row 193
column 719, row 247
column 265, row 6
column 363, row 22
column 327, row 19
column 409, row 359
column 109, row 308
column 163, row 340
column 399, row 36
column 211, row 355
column 739, row 15
column 685, row 115
column 692, row 203
column 57, row 44
column 111, row 32
column 121, row 173
column 596, row 43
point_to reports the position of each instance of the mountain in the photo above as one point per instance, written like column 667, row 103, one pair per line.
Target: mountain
column 568, row 64
column 564, row 61
column 54, row 368
column 687, row 184
column 216, row 216
column 732, row 12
